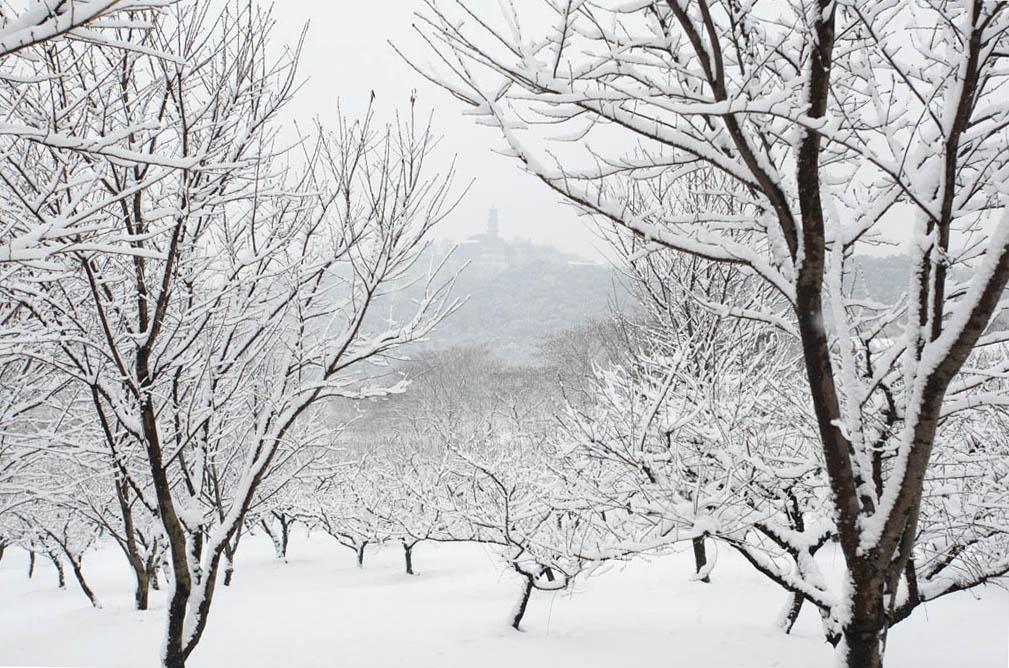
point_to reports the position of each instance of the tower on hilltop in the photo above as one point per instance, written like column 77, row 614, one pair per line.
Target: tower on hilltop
column 492, row 227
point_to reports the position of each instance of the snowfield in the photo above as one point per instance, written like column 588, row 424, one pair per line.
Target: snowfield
column 321, row 610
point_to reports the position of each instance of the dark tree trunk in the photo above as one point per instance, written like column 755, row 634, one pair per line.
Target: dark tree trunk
column 153, row 567
column 141, row 574
column 3, row 546
column 143, row 587
column 864, row 651
column 58, row 563
column 173, row 652
column 229, row 557
column 360, row 554
column 129, row 545
column 285, row 523
column 788, row 621
column 75, row 565
column 179, row 644
column 700, row 556
column 863, row 633
column 520, row 609
column 174, row 657
column 408, row 556
column 31, row 563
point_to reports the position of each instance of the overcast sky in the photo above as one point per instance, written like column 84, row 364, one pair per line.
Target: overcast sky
column 346, row 55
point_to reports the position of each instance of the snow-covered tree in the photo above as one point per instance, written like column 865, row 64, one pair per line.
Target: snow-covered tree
column 415, row 506
column 682, row 421
column 346, row 503
column 211, row 348
column 836, row 123
column 507, row 494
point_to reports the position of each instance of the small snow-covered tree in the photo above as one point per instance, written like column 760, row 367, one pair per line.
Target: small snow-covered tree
column 510, row 494
column 35, row 542
column 500, row 476
column 70, row 534
column 413, row 480
column 106, row 487
column 346, row 504
column 276, row 518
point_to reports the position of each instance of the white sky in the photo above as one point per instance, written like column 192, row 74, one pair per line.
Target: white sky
column 346, row 55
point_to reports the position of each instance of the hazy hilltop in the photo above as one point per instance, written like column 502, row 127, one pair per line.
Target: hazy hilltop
column 520, row 293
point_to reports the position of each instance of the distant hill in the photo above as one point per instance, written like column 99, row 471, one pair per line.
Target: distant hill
column 519, row 294
column 514, row 310
column 886, row 278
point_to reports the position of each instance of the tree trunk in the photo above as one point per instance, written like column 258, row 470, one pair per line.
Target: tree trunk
column 153, row 567
column 284, row 525
column 791, row 613
column 408, row 556
column 143, row 588
column 700, row 556
column 129, row 546
column 188, row 609
column 229, row 557
column 173, row 653
column 279, row 539
column 523, row 602
column 229, row 569
column 141, row 574
column 863, row 651
column 180, row 586
column 360, row 554
column 863, row 632
column 3, row 546
column 75, row 565
column 31, row 563
column 58, row 563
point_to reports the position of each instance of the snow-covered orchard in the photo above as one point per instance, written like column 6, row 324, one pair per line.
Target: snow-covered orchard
column 229, row 435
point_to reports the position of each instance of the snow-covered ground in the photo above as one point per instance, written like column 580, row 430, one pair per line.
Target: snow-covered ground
column 321, row 610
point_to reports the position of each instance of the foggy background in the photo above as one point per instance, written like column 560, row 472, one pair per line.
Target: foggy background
column 346, row 55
